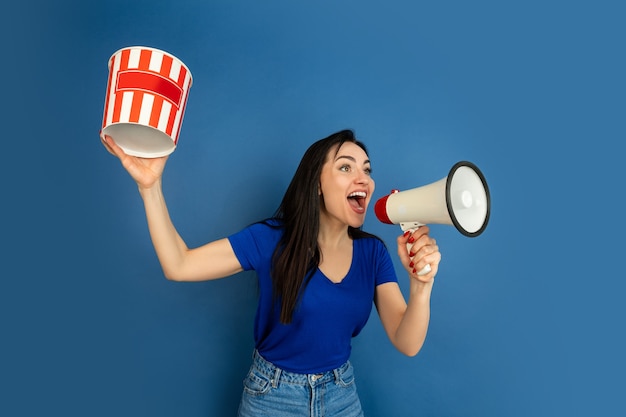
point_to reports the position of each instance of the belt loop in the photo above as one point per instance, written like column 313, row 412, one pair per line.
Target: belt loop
column 336, row 372
column 276, row 377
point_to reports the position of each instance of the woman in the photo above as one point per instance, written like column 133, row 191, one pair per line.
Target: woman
column 318, row 274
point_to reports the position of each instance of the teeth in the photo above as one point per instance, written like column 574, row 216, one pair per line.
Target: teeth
column 358, row 194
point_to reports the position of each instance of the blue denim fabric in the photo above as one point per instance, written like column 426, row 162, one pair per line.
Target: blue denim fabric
column 272, row 392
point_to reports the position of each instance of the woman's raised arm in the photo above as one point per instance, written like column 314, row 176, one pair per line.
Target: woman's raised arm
column 210, row 261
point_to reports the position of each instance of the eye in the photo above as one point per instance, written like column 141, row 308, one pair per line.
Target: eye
column 368, row 171
column 345, row 168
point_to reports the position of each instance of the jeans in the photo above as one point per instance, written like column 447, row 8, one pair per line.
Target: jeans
column 272, row 392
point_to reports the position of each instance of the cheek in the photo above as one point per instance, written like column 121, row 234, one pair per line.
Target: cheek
column 370, row 194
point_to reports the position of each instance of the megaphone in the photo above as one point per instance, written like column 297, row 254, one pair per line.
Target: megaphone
column 461, row 199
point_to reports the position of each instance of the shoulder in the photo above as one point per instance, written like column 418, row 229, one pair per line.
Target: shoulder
column 363, row 238
column 269, row 229
column 372, row 254
column 270, row 225
column 267, row 226
column 254, row 244
column 370, row 246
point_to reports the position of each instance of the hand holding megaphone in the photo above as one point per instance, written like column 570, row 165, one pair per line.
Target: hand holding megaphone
column 410, row 228
column 417, row 246
column 461, row 199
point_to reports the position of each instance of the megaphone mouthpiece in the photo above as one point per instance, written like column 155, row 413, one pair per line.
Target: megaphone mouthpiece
column 380, row 209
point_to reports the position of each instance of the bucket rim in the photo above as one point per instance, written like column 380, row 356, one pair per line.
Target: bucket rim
column 150, row 48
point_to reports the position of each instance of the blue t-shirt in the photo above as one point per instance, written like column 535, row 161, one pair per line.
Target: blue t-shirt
column 328, row 315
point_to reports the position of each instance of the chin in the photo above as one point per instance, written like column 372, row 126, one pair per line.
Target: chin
column 357, row 224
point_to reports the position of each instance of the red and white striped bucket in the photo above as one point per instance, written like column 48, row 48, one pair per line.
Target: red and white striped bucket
column 145, row 101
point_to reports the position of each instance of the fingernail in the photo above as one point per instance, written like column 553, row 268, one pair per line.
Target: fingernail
column 411, row 254
column 411, row 239
column 411, row 265
column 406, row 233
column 414, row 270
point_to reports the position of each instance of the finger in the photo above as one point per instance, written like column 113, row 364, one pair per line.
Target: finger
column 424, row 253
column 432, row 259
column 419, row 232
column 418, row 246
column 106, row 145
column 404, row 238
column 110, row 144
column 431, row 255
column 403, row 252
column 113, row 147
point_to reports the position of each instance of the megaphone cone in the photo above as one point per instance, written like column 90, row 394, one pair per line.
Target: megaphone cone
column 461, row 199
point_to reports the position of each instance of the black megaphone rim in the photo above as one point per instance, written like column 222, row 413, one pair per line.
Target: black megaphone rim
column 455, row 221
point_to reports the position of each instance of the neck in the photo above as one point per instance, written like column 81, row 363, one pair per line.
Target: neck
column 332, row 235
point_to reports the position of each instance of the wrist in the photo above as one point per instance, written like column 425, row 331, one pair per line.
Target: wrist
column 420, row 288
column 154, row 188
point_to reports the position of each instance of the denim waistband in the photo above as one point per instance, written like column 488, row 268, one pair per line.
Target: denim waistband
column 276, row 374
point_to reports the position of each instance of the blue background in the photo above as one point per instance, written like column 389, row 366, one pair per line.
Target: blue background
column 527, row 319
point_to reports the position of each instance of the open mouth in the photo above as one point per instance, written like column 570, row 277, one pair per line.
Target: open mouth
column 357, row 200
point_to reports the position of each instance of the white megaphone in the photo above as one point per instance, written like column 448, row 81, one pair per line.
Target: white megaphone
column 460, row 199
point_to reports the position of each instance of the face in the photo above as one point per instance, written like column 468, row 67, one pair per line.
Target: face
column 346, row 185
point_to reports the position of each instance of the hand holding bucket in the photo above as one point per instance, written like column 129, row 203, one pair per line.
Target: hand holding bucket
column 145, row 101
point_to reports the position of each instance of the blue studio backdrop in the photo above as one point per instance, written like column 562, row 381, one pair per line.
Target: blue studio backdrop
column 527, row 319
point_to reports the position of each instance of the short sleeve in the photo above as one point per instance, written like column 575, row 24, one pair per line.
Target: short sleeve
column 255, row 244
column 385, row 270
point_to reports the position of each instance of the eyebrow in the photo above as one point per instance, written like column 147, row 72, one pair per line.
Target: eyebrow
column 367, row 161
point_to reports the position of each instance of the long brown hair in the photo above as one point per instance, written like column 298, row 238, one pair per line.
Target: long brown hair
column 297, row 254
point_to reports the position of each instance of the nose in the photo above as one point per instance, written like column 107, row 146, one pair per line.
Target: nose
column 362, row 177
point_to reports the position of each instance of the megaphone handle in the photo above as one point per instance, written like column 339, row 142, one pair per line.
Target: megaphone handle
column 411, row 227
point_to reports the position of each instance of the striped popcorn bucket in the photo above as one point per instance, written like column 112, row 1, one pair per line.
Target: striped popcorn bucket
column 145, row 101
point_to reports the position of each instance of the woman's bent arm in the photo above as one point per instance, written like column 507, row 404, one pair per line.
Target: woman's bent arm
column 407, row 325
